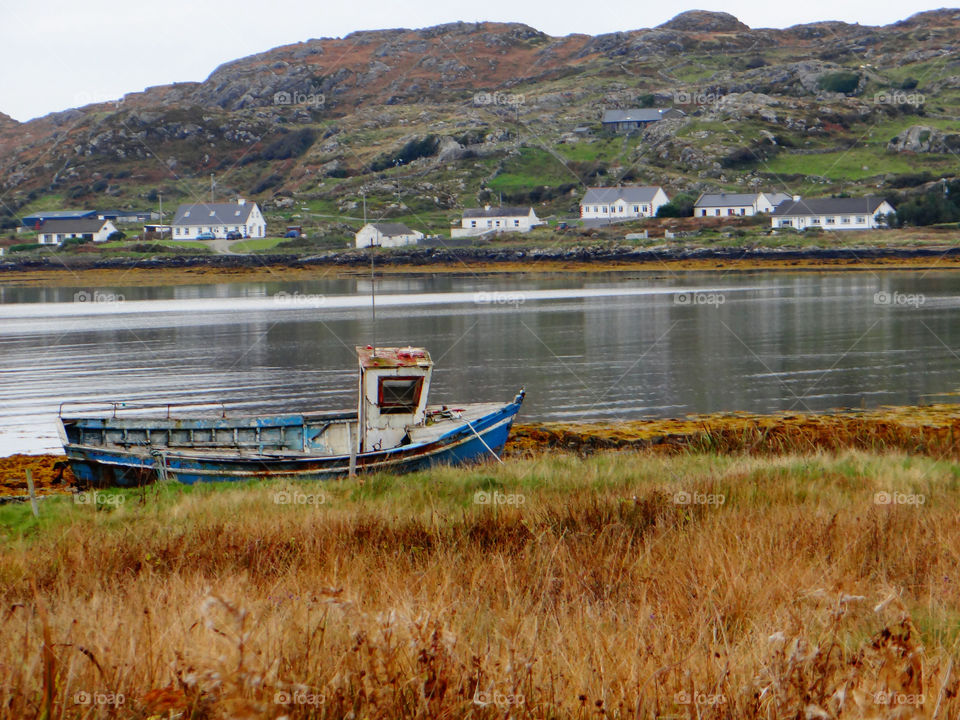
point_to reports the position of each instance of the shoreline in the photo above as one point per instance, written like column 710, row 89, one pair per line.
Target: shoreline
column 932, row 430
column 192, row 269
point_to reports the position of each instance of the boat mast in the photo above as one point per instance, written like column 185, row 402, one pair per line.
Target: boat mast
column 373, row 280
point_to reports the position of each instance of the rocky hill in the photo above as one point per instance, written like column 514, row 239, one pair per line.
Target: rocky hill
column 426, row 121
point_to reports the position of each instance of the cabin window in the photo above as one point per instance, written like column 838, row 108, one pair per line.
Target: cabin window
column 399, row 395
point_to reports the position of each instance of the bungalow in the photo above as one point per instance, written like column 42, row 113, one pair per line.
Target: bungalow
column 637, row 118
column 737, row 204
column 54, row 232
column 862, row 213
column 478, row 221
column 622, row 203
column 219, row 219
column 387, row 235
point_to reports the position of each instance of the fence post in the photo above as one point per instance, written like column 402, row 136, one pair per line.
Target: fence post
column 33, row 493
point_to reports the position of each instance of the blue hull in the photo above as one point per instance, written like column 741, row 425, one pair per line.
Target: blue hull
column 111, row 466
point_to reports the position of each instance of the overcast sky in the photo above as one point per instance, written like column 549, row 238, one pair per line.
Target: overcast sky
column 58, row 54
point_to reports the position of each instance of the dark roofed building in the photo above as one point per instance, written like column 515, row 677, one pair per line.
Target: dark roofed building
column 613, row 204
column 34, row 220
column 218, row 219
column 635, row 118
column 861, row 213
column 54, row 232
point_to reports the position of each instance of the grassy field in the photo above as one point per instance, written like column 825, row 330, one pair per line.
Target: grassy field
column 619, row 585
column 256, row 244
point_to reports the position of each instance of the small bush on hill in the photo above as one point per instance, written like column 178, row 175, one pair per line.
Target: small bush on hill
column 680, row 206
column 413, row 150
column 839, row 82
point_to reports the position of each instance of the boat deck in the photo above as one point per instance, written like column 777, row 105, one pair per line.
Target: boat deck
column 301, row 435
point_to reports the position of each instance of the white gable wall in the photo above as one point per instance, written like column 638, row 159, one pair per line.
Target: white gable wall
column 369, row 235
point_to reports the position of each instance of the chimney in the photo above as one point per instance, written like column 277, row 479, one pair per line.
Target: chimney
column 241, row 201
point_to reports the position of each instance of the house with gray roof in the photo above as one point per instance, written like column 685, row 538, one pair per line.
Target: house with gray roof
column 863, row 213
column 55, row 231
column 624, row 202
column 387, row 234
column 479, row 221
column 219, row 219
column 737, row 204
column 637, row 118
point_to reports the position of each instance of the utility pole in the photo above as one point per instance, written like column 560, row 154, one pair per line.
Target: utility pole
column 211, row 188
column 396, row 165
column 160, row 195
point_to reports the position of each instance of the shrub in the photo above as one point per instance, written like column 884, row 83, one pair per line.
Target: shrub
column 289, row 145
column 413, row 150
column 680, row 206
column 268, row 182
column 937, row 205
column 839, row 82
column 117, row 235
column 25, row 247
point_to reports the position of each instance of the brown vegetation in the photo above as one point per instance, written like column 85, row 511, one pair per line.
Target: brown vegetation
column 623, row 585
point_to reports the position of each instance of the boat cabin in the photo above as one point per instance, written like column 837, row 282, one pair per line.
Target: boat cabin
column 394, row 386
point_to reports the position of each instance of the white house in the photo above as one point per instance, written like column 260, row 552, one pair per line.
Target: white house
column 54, row 232
column 387, row 235
column 477, row 221
column 622, row 203
column 737, row 204
column 219, row 219
column 862, row 213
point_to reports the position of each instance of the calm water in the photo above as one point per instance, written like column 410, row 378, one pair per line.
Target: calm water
column 587, row 347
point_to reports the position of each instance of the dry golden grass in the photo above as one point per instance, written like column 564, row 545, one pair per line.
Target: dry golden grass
column 601, row 594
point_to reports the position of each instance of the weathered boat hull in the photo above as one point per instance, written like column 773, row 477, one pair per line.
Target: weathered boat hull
column 114, row 466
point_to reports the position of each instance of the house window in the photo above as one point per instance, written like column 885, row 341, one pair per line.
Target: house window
column 861, row 219
column 645, row 208
column 845, row 220
column 703, row 213
column 605, row 208
column 830, row 220
column 399, row 395
column 636, row 208
column 815, row 221
column 516, row 223
column 717, row 211
column 473, row 223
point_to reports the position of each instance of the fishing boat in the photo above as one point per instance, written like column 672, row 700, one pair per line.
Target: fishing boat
column 393, row 429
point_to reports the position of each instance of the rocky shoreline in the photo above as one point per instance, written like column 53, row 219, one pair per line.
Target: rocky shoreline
column 427, row 257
